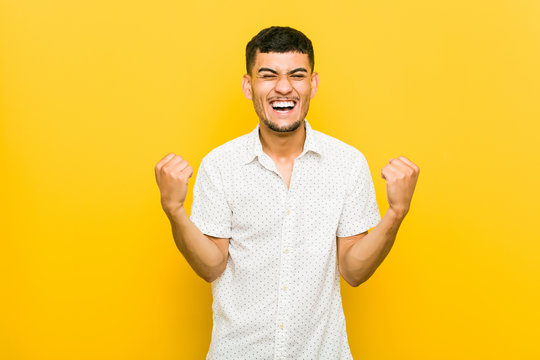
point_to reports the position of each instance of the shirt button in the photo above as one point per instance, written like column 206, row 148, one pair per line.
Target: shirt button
column 284, row 287
column 281, row 326
column 286, row 251
column 288, row 211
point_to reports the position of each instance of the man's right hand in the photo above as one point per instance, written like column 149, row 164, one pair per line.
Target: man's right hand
column 172, row 176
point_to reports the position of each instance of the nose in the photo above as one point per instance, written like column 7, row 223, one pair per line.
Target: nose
column 283, row 85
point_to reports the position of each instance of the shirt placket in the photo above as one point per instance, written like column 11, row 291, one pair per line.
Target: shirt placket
column 283, row 318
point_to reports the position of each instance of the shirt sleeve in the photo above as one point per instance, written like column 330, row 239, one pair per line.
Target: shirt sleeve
column 360, row 211
column 210, row 211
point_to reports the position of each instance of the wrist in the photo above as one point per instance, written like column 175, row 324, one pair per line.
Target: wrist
column 397, row 214
column 174, row 211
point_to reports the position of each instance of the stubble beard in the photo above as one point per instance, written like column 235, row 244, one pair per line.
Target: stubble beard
column 273, row 126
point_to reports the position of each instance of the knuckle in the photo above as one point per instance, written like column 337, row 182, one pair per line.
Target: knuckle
column 183, row 178
column 167, row 169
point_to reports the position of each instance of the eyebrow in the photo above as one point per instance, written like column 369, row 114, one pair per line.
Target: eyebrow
column 301, row 69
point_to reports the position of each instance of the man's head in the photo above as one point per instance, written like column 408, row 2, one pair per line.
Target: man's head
column 280, row 78
column 278, row 39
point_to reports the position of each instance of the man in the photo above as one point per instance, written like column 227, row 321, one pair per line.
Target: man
column 279, row 213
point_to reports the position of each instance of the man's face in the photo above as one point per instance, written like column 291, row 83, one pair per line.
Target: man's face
column 281, row 86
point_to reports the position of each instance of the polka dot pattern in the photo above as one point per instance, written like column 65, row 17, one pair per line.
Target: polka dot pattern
column 279, row 296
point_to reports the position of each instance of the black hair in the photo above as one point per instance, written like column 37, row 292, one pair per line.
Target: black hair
column 280, row 39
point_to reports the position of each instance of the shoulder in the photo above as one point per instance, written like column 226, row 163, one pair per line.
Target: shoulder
column 229, row 153
column 338, row 150
column 343, row 158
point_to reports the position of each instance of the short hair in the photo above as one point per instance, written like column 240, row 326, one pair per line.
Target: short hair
column 279, row 39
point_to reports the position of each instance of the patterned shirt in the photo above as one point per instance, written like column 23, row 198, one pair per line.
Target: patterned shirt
column 279, row 295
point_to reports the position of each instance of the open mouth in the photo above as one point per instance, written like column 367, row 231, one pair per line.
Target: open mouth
column 283, row 106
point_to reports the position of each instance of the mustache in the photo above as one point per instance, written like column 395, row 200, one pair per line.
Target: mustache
column 293, row 98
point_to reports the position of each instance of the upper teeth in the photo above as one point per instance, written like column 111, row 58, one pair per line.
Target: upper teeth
column 282, row 103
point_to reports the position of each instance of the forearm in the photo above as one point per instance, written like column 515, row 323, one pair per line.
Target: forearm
column 365, row 256
column 202, row 254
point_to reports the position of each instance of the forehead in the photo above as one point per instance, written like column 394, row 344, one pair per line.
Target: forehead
column 281, row 62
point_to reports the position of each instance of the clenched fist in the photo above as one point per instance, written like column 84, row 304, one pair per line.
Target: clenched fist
column 401, row 175
column 172, row 176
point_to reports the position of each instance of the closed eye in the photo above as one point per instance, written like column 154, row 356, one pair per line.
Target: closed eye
column 274, row 76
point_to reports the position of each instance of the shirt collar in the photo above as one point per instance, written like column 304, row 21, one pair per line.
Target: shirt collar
column 254, row 146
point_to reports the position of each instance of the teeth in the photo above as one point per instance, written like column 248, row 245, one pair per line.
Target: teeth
column 283, row 104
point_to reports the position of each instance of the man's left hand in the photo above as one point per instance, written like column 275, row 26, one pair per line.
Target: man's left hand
column 401, row 175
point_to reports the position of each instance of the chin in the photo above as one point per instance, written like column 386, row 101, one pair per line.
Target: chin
column 287, row 128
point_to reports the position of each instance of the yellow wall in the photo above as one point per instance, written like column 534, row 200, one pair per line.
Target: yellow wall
column 94, row 93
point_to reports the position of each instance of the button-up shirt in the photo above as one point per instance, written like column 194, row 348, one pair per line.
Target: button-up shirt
column 279, row 295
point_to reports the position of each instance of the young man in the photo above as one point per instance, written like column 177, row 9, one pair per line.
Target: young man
column 279, row 213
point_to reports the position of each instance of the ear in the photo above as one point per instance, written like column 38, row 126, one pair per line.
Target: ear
column 246, row 86
column 314, row 84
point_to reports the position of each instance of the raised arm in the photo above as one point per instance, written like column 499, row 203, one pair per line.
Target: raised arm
column 360, row 255
column 207, row 255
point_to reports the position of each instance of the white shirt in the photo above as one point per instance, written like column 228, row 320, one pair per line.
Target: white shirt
column 279, row 296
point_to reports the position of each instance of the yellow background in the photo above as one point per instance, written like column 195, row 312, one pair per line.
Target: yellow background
column 94, row 93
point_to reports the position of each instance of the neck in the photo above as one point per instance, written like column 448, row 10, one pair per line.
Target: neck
column 283, row 146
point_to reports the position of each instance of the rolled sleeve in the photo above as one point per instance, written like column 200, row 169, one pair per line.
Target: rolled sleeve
column 210, row 211
column 360, row 211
